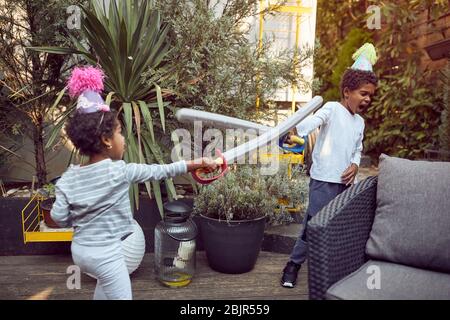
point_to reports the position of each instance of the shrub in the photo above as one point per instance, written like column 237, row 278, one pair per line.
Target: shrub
column 245, row 194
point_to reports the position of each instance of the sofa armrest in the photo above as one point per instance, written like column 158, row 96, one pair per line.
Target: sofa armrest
column 337, row 236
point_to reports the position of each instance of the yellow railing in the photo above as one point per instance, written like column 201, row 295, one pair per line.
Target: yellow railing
column 32, row 222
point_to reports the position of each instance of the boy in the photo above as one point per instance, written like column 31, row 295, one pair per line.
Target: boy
column 337, row 151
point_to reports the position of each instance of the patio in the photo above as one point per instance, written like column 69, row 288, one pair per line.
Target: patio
column 45, row 277
column 153, row 58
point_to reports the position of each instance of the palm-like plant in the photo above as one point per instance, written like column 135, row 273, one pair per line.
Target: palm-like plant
column 127, row 38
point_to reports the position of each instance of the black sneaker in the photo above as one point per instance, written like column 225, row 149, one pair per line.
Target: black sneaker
column 290, row 273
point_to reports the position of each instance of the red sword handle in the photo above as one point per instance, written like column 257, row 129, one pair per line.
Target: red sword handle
column 223, row 166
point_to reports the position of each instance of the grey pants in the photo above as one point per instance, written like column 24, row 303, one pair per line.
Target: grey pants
column 107, row 265
column 320, row 194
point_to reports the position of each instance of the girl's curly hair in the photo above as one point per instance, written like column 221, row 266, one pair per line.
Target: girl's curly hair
column 86, row 130
column 354, row 78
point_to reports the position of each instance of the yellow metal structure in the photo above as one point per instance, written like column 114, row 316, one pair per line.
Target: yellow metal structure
column 296, row 10
column 31, row 224
column 290, row 159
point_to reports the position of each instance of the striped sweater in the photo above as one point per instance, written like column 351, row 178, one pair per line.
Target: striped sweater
column 94, row 199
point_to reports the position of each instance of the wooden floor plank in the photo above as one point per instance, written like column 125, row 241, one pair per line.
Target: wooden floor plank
column 44, row 277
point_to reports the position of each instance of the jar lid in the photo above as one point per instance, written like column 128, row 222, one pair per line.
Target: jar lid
column 177, row 209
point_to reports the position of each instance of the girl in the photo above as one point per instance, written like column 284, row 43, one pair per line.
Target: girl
column 337, row 151
column 93, row 198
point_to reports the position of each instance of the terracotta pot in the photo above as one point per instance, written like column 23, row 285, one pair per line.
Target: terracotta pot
column 46, row 207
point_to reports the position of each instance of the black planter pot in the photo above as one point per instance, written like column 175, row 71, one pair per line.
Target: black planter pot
column 232, row 247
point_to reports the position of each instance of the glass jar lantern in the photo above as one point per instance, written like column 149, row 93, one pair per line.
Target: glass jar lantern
column 175, row 245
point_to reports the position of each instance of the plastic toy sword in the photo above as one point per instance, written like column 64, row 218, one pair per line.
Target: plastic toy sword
column 268, row 135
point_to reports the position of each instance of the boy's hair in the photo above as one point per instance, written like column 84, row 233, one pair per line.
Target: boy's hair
column 354, row 78
column 86, row 130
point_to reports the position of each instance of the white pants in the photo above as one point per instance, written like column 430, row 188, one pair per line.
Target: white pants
column 107, row 265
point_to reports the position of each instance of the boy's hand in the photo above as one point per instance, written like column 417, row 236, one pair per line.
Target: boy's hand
column 349, row 175
column 288, row 138
column 206, row 163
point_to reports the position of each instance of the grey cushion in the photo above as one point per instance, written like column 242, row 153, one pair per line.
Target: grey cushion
column 396, row 282
column 412, row 219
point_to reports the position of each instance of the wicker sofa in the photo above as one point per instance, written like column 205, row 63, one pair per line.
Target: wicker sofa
column 361, row 246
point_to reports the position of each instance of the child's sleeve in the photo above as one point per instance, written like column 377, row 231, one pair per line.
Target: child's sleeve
column 316, row 120
column 356, row 156
column 135, row 172
column 60, row 212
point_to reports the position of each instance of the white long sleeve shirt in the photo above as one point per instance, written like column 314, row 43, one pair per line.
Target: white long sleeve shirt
column 338, row 144
column 95, row 200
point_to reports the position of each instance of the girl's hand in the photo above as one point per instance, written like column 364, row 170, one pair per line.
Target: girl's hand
column 349, row 175
column 204, row 163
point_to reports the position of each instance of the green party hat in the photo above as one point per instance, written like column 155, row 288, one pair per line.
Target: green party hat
column 365, row 57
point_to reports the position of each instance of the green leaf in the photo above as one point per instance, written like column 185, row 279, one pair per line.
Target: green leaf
column 155, row 149
column 161, row 107
column 171, row 188
column 148, row 157
column 124, row 65
column 139, row 29
column 128, row 115
column 87, row 55
column 421, row 135
column 158, row 197
column 56, row 50
column 54, row 134
column 136, row 195
column 132, row 157
column 73, row 152
column 58, row 99
column 56, row 130
column 109, row 97
column 137, row 119
column 147, row 118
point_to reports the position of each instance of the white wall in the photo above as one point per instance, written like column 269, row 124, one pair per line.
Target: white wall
column 18, row 170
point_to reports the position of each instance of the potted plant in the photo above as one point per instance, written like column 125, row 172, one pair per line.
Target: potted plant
column 233, row 214
column 47, row 204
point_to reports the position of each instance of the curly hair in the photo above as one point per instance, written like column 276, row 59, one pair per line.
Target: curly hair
column 86, row 130
column 353, row 79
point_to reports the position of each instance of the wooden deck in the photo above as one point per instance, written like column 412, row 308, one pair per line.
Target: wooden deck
column 45, row 277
